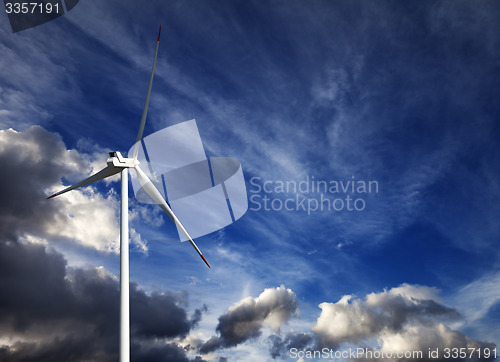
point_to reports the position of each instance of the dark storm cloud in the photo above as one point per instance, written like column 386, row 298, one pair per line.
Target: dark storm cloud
column 31, row 277
column 245, row 319
column 168, row 320
column 57, row 312
column 31, row 161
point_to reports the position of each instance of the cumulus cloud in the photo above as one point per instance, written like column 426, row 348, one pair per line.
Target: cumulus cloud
column 406, row 318
column 245, row 319
column 34, row 162
column 422, row 338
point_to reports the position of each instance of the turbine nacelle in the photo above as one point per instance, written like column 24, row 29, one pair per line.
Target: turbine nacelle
column 116, row 160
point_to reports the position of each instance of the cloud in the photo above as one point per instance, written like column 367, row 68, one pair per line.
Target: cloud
column 406, row 318
column 37, row 80
column 478, row 297
column 52, row 313
column 245, row 319
column 422, row 338
column 34, row 161
column 356, row 320
column 280, row 346
column 478, row 301
column 343, row 321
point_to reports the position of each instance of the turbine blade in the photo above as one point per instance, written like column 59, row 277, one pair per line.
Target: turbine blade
column 158, row 198
column 106, row 172
column 146, row 105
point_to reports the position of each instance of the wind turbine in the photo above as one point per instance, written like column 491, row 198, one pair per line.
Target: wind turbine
column 116, row 163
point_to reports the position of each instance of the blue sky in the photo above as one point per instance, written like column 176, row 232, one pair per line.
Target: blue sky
column 401, row 93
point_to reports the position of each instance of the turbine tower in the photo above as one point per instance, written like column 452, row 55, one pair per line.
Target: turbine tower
column 116, row 163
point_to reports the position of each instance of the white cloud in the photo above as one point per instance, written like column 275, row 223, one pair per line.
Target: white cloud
column 417, row 341
column 412, row 293
column 406, row 318
column 421, row 338
column 88, row 218
column 346, row 321
column 140, row 243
